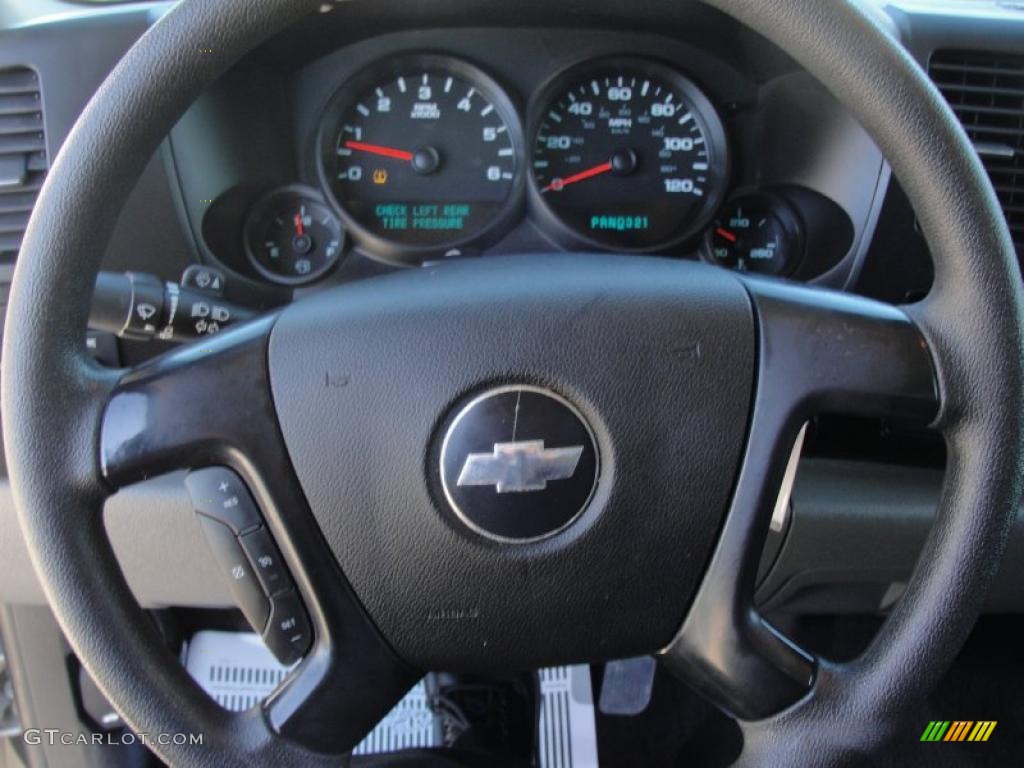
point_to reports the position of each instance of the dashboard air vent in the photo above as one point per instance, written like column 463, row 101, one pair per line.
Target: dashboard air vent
column 22, row 155
column 986, row 91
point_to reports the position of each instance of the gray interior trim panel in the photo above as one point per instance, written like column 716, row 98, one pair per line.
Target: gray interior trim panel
column 156, row 537
column 856, row 526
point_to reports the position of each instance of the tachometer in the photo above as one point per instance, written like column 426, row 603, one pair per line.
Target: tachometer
column 422, row 156
column 627, row 155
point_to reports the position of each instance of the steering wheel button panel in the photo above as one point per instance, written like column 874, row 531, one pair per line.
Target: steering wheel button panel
column 287, row 634
column 250, row 560
column 239, row 572
column 266, row 561
column 219, row 493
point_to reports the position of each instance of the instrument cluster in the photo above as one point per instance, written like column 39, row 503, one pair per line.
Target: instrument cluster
column 425, row 156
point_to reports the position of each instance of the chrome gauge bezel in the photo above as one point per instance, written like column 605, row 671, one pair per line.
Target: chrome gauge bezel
column 705, row 114
column 394, row 252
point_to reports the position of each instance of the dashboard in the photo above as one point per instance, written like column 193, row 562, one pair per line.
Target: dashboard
column 415, row 147
column 793, row 187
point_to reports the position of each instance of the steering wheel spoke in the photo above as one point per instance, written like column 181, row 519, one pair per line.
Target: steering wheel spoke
column 819, row 351
column 342, row 689
column 824, row 351
column 209, row 405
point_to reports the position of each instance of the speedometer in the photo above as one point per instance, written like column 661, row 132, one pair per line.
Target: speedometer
column 422, row 155
column 627, row 155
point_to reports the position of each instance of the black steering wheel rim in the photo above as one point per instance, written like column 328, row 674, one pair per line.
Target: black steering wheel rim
column 54, row 398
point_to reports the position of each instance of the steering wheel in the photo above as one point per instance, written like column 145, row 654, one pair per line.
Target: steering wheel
column 685, row 385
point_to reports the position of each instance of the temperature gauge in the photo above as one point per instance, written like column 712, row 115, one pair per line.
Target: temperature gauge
column 292, row 237
column 755, row 233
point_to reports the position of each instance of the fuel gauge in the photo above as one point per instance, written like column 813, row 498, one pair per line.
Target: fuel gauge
column 292, row 237
column 755, row 233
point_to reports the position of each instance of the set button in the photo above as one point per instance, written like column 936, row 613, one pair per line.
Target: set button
column 288, row 634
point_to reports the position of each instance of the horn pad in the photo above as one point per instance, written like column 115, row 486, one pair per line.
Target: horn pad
column 520, row 461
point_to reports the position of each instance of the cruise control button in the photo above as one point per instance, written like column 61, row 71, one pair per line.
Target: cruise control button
column 239, row 573
column 288, row 634
column 219, row 493
column 266, row 561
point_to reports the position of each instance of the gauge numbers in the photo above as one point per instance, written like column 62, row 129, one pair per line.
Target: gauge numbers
column 628, row 155
column 422, row 156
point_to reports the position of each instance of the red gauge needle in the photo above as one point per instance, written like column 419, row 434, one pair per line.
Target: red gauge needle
column 559, row 184
column 298, row 224
column 726, row 234
column 376, row 149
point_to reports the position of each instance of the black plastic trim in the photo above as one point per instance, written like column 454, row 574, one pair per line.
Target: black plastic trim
column 818, row 351
column 174, row 413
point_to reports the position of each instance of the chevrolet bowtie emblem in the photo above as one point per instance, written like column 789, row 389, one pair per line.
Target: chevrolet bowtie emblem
column 520, row 467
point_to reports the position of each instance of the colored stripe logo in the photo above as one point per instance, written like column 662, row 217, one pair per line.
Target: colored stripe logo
column 958, row 730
